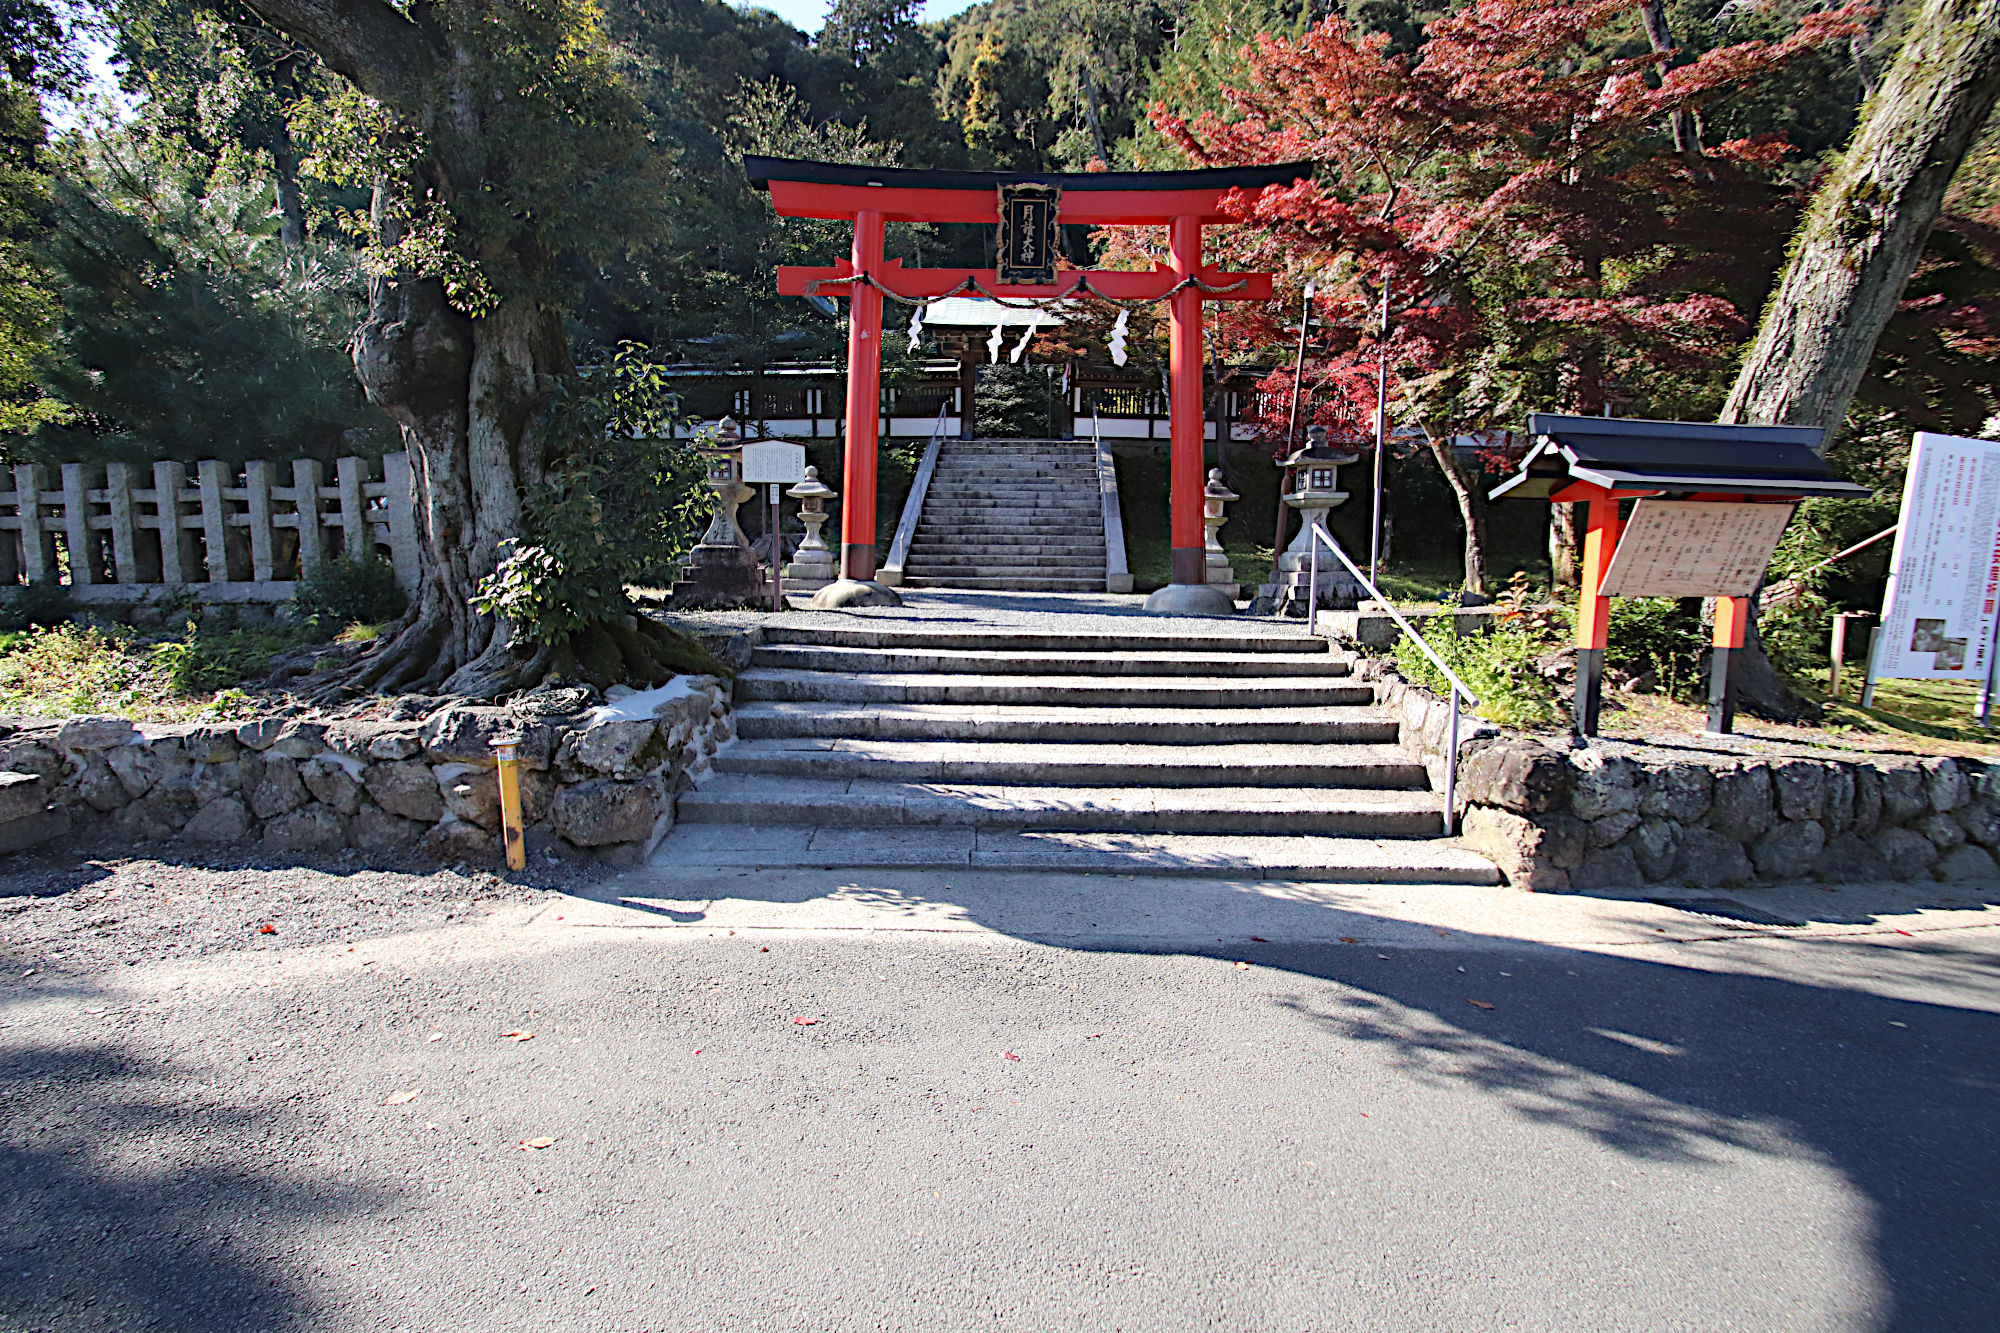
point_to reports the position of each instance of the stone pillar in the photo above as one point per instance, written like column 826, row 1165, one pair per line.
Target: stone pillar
column 1215, row 498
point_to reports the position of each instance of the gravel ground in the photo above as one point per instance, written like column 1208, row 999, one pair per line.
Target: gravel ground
column 60, row 915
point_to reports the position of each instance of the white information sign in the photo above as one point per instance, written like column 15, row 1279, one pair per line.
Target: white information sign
column 1937, row 623
column 1695, row 548
column 773, row 461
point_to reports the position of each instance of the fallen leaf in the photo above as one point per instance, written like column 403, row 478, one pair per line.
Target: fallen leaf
column 535, row 1145
column 1349, row 939
column 764, row 948
column 805, row 1022
column 1439, row 930
column 267, row 929
column 398, row 1098
column 1242, row 965
column 1478, row 1004
column 697, row 1050
column 1901, row 931
column 1008, row 1055
column 1258, row 939
column 519, row 1034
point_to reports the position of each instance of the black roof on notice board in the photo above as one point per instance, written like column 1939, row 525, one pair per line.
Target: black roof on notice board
column 1678, row 457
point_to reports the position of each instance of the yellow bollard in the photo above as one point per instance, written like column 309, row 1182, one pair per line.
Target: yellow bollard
column 504, row 750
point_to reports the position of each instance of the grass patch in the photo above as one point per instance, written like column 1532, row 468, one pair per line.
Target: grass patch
column 1938, row 709
column 193, row 674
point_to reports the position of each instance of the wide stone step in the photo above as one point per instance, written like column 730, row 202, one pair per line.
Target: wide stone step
column 1061, row 534
column 988, row 661
column 1031, row 764
column 1267, row 857
column 1075, row 691
column 1002, row 571
column 1022, row 584
column 747, row 798
column 952, row 562
column 1023, row 545
column 984, row 505
column 1337, row 724
column 1216, row 636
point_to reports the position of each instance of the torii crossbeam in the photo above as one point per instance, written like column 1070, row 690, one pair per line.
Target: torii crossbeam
column 1181, row 201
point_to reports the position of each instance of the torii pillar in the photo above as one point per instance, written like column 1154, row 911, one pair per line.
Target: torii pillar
column 870, row 197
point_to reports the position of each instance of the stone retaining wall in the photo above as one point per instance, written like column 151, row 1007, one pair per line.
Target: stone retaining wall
column 1617, row 815
column 599, row 781
column 1622, row 816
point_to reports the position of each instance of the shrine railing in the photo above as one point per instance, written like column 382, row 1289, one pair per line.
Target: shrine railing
column 1320, row 537
column 913, row 505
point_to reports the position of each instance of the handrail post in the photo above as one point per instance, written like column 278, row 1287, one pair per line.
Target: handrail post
column 1451, row 769
column 1312, row 593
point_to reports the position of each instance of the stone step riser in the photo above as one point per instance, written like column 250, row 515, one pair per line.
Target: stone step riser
column 1081, row 692
column 1037, row 642
column 698, row 808
column 954, row 560
column 1009, row 585
column 1323, row 777
column 1037, row 570
column 912, row 660
column 1360, row 731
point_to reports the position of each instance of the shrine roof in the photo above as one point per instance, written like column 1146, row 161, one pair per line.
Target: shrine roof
column 764, row 170
column 1093, row 198
column 1675, row 457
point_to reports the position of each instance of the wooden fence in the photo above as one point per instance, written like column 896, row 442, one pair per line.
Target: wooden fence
column 117, row 532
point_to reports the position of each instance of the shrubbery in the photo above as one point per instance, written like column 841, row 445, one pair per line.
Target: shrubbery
column 343, row 592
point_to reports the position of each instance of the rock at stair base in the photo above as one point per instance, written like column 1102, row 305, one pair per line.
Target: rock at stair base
column 854, row 592
column 1190, row 599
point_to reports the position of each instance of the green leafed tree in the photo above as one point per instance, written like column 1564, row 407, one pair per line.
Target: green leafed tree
column 35, row 59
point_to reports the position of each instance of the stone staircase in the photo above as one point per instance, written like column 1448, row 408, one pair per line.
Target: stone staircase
column 1016, row 515
column 1247, row 751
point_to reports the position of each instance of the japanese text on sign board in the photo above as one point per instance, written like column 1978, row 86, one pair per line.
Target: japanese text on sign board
column 1027, row 249
column 1695, row 548
column 1945, row 576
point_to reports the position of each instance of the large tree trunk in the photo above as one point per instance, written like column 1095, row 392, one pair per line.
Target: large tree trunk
column 1653, row 13
column 1855, row 249
column 1864, row 231
column 465, row 391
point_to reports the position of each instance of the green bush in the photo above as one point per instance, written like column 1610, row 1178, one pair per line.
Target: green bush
column 1498, row 667
column 627, row 500
column 1662, row 635
column 25, row 606
column 343, row 592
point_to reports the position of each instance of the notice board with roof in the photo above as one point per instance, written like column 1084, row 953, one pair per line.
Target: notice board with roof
column 1711, row 502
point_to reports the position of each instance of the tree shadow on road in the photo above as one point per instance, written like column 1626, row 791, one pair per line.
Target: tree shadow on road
column 1681, row 1064
column 116, row 1212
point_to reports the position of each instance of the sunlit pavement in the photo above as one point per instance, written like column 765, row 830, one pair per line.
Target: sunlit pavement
column 912, row 1100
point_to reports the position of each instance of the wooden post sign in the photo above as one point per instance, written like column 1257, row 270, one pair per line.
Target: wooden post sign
column 775, row 463
column 1710, row 503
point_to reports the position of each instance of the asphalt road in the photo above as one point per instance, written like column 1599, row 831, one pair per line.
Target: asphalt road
column 1583, row 1120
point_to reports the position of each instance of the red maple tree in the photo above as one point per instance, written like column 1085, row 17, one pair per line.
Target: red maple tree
column 1543, row 242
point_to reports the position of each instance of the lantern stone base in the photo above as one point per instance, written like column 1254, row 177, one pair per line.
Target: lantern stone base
column 854, row 592
column 1191, row 599
column 719, row 576
column 805, row 574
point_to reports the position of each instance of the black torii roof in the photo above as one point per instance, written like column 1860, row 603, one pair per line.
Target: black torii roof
column 763, row 170
column 1678, row 457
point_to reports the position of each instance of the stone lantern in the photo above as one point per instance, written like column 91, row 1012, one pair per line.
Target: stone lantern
column 1214, row 497
column 812, row 564
column 1315, row 493
column 721, row 570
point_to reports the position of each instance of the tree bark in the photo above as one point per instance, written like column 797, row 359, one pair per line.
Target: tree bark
column 1854, row 252
column 1471, row 513
column 1687, row 135
column 1863, row 233
column 1563, row 570
column 464, row 391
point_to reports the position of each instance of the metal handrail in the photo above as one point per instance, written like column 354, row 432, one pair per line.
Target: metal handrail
column 1117, row 572
column 1322, row 536
column 913, row 503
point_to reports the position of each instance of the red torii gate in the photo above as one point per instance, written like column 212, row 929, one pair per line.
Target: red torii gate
column 1181, row 201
